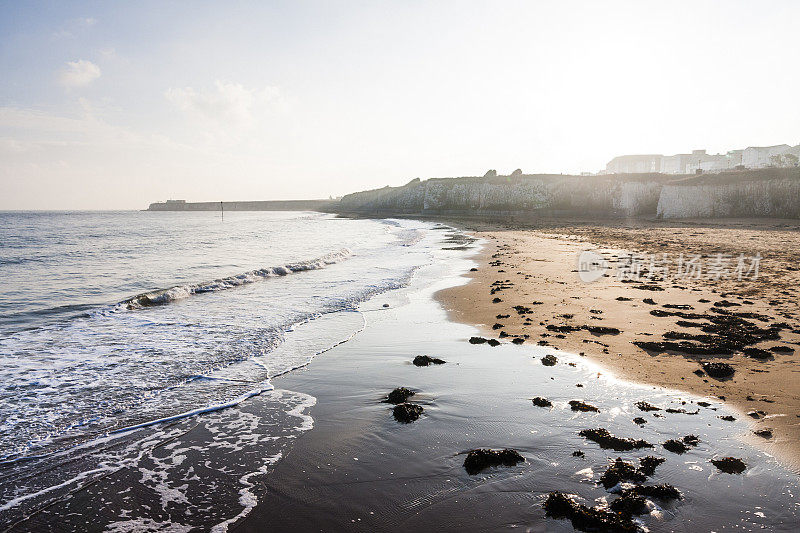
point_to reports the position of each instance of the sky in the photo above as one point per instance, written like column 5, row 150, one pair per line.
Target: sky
column 111, row 105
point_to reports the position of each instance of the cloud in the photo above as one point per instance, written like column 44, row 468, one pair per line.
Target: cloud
column 9, row 145
column 226, row 103
column 73, row 26
column 23, row 129
column 78, row 73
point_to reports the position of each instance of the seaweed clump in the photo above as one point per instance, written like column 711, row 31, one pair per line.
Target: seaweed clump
column 399, row 395
column 606, row 440
column 662, row 492
column 729, row 465
column 541, row 402
column 577, row 405
column 723, row 333
column 620, row 471
column 549, row 360
column 644, row 406
column 425, row 360
column 718, row 370
column 407, row 412
column 758, row 353
column 482, row 458
column 629, row 505
column 561, row 506
column 675, row 446
column 681, row 446
column 764, row 433
column 647, row 465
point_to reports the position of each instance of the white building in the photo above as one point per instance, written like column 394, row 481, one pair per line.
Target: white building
column 734, row 158
column 764, row 156
column 670, row 164
column 781, row 155
column 634, row 164
column 699, row 160
column 673, row 164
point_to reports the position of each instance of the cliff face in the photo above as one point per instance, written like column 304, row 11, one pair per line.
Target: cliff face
column 773, row 198
column 579, row 194
column 755, row 193
column 767, row 193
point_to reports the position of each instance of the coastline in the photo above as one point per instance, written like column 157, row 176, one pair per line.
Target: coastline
column 539, row 261
column 361, row 470
column 336, row 458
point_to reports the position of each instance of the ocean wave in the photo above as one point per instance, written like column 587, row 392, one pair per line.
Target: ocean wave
column 19, row 260
column 179, row 292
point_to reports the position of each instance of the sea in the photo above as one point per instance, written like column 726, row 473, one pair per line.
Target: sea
column 111, row 322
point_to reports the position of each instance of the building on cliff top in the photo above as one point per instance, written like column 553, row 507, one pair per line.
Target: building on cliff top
column 764, row 156
column 634, row 164
column 781, row 155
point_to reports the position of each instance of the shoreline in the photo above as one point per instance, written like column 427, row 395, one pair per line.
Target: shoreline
column 540, row 264
column 361, row 470
column 323, row 451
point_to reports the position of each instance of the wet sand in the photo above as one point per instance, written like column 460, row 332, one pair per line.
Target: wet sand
column 360, row 470
column 535, row 264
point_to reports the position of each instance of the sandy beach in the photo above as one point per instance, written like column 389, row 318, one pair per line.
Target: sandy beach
column 534, row 265
column 360, row 469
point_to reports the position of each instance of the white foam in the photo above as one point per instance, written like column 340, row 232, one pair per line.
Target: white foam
column 247, row 499
column 211, row 408
column 179, row 292
column 146, row 525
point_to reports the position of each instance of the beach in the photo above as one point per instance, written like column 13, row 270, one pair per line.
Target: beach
column 537, row 262
column 316, row 446
column 359, row 469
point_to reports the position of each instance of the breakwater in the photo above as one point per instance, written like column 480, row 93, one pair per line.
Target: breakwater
column 266, row 205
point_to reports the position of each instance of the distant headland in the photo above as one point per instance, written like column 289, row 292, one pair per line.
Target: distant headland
column 257, row 205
